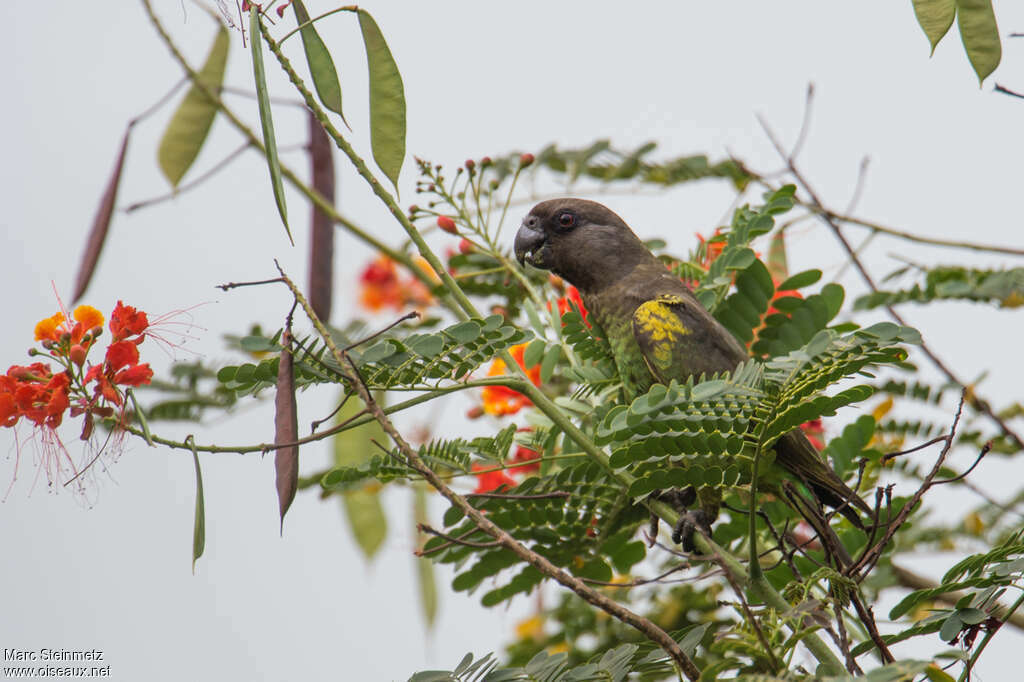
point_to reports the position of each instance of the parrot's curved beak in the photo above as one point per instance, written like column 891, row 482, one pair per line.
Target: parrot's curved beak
column 531, row 243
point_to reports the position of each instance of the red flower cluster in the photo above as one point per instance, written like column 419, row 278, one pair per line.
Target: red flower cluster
column 42, row 396
column 380, row 287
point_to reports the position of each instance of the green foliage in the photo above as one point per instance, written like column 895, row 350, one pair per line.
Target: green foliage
column 987, row 575
column 191, row 122
column 704, row 426
column 1005, row 288
column 747, row 225
column 418, row 360
column 441, row 455
column 978, row 30
column 266, row 115
column 387, row 100
column 575, row 518
column 189, row 393
column 614, row 665
column 321, row 66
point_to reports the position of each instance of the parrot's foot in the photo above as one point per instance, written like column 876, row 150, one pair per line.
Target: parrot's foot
column 689, row 521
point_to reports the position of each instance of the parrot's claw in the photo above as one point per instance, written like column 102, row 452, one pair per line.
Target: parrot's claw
column 690, row 523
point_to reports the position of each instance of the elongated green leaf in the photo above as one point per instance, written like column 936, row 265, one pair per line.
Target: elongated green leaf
column 266, row 119
column 321, row 66
column 191, row 122
column 980, row 34
column 362, row 506
column 424, row 566
column 935, row 17
column 387, row 101
column 199, row 527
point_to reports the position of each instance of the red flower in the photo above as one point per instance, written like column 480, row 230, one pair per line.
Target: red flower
column 381, row 287
column 814, row 432
column 35, row 393
column 572, row 297
column 126, row 321
column 491, row 480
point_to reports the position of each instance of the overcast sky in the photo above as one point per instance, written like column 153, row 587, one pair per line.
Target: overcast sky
column 480, row 78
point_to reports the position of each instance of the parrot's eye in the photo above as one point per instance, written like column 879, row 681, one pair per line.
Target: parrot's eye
column 566, row 220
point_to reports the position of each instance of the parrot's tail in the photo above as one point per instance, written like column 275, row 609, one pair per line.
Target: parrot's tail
column 798, row 456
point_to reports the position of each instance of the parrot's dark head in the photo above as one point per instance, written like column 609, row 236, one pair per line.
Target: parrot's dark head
column 581, row 241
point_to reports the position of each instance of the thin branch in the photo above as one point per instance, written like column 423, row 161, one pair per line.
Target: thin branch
column 805, row 123
column 557, row 495
column 235, row 285
column 371, row 337
column 872, row 555
column 889, row 456
column 976, row 402
column 192, row 184
column 502, row 538
column 424, row 528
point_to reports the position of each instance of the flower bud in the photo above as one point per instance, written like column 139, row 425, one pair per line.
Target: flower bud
column 466, row 246
column 77, row 354
column 447, row 224
column 470, row 165
column 475, row 412
column 486, row 161
column 525, row 160
column 413, row 209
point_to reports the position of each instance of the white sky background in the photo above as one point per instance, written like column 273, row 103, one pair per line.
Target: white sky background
column 480, row 78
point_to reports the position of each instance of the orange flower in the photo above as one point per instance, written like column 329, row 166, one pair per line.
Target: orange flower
column 88, row 317
column 501, row 400
column 47, row 330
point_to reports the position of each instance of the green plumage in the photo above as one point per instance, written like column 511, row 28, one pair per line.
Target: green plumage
column 657, row 329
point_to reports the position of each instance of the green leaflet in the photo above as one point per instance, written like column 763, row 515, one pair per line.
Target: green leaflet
column 387, row 101
column 321, row 66
column 199, row 527
column 980, row 34
column 362, row 506
column 935, row 18
column 266, row 119
column 191, row 122
column 424, row 567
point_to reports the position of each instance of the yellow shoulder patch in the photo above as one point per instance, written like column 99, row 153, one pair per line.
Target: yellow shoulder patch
column 660, row 328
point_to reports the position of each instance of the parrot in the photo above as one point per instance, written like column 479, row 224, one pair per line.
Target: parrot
column 659, row 332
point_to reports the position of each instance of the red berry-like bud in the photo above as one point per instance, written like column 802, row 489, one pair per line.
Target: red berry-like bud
column 470, row 165
column 77, row 354
column 525, row 160
column 413, row 209
column 475, row 412
column 486, row 161
column 466, row 246
column 447, row 224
